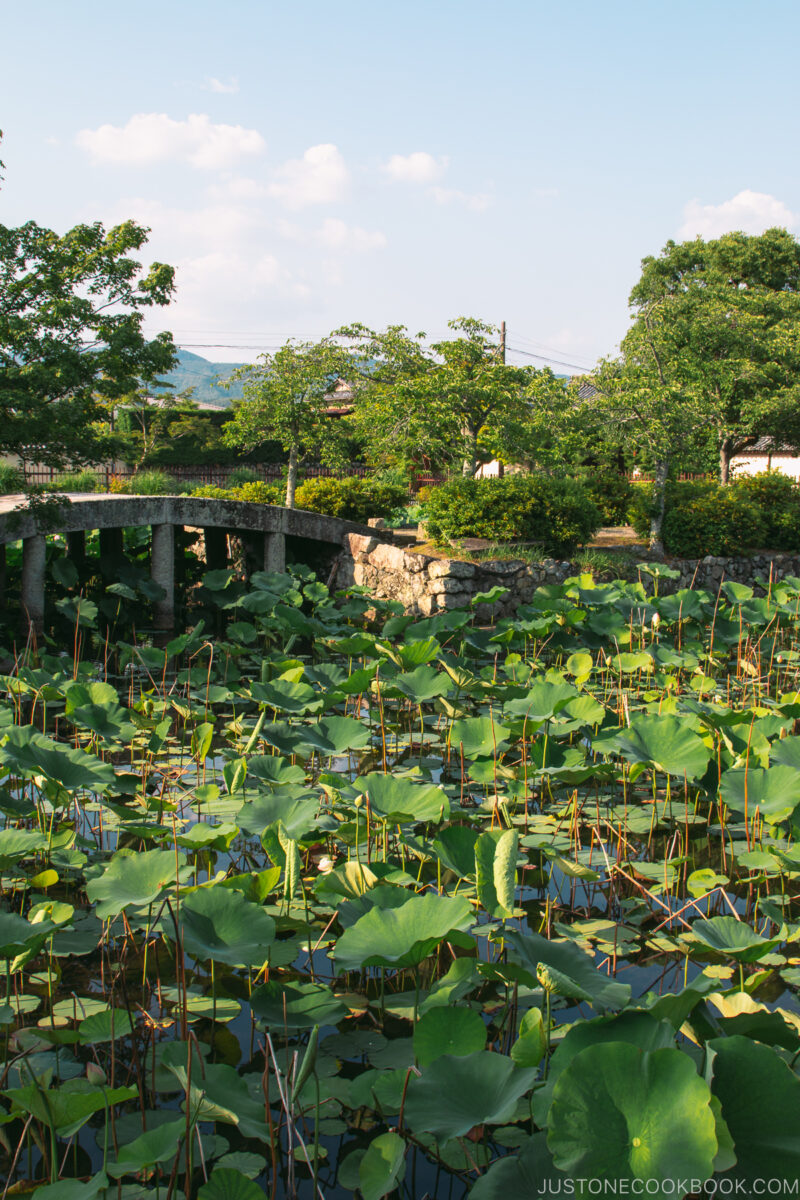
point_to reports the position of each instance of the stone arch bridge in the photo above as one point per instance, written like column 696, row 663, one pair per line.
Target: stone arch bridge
column 265, row 524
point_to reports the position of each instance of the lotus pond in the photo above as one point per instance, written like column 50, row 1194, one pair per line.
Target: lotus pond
column 340, row 901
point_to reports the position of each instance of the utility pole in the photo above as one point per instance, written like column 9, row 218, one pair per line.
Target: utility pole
column 501, row 466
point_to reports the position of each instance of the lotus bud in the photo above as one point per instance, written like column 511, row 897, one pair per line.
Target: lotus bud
column 359, row 801
column 325, row 864
column 96, row 1074
column 544, row 978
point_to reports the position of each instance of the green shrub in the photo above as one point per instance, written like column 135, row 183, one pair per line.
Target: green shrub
column 152, row 483
column 243, row 475
column 778, row 497
column 718, row 521
column 76, row 481
column 640, row 508
column 213, row 492
column 557, row 513
column 11, row 480
column 703, row 517
column 260, row 492
column 611, row 492
column 351, row 498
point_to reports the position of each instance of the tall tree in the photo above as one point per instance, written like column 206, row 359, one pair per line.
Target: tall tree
column 714, row 349
column 287, row 398
column 453, row 402
column 71, row 337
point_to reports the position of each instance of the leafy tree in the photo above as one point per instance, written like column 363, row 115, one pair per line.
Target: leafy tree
column 71, row 339
column 714, row 350
column 287, row 399
column 457, row 402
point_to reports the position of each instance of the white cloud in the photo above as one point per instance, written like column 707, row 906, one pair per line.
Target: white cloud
column 747, row 211
column 319, row 177
column 223, row 89
column 155, row 137
column 477, row 202
column 335, row 234
column 419, row 167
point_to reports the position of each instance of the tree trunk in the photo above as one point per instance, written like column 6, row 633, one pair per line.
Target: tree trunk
column 659, row 501
column 471, row 462
column 291, row 479
column 725, row 456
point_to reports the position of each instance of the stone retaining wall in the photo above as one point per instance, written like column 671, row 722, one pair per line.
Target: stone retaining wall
column 424, row 584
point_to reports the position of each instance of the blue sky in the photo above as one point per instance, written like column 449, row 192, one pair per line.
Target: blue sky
column 305, row 165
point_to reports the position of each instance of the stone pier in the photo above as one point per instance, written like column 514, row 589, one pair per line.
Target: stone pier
column 33, row 569
column 162, row 572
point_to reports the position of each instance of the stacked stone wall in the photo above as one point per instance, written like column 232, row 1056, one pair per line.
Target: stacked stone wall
column 424, row 584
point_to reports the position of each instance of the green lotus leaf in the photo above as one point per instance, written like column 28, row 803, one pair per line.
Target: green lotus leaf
column 478, row 737
column 665, row 743
column 455, row 846
column 220, row 924
column 18, row 935
column 288, row 697
column 26, row 752
column 402, row 936
column 774, row 792
column 295, row 806
column 131, row 879
column 226, row 1183
column 337, row 735
column 382, row 1167
column 496, row 870
column 155, row 1146
column 274, row 770
column 67, row 1108
column 105, row 1026
column 20, row 843
column 108, row 720
column 458, row 1092
column 400, row 799
column 531, row 1173
column 448, row 1030
column 543, row 701
column 424, row 683
column 635, row 1027
column 622, row 1113
column 296, row 1005
column 760, row 1098
column 529, row 950
column 733, row 938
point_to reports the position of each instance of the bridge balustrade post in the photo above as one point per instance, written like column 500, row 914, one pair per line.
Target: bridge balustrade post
column 275, row 552
column 33, row 568
column 162, row 572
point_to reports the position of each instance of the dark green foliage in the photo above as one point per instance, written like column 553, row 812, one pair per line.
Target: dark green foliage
column 351, row 498
column 778, row 496
column 11, row 480
column 76, row 481
column 558, row 513
column 611, row 491
column 758, row 512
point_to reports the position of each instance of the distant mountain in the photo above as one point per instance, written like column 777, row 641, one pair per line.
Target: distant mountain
column 203, row 376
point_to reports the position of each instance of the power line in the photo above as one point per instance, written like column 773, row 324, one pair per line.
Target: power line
column 547, row 359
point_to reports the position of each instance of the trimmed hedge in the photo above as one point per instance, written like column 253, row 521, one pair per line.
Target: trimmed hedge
column 351, row 498
column 756, row 512
column 558, row 513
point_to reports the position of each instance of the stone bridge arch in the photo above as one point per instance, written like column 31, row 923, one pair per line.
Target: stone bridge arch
column 164, row 515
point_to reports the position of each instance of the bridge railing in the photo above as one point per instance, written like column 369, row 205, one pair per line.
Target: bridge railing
column 219, row 475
